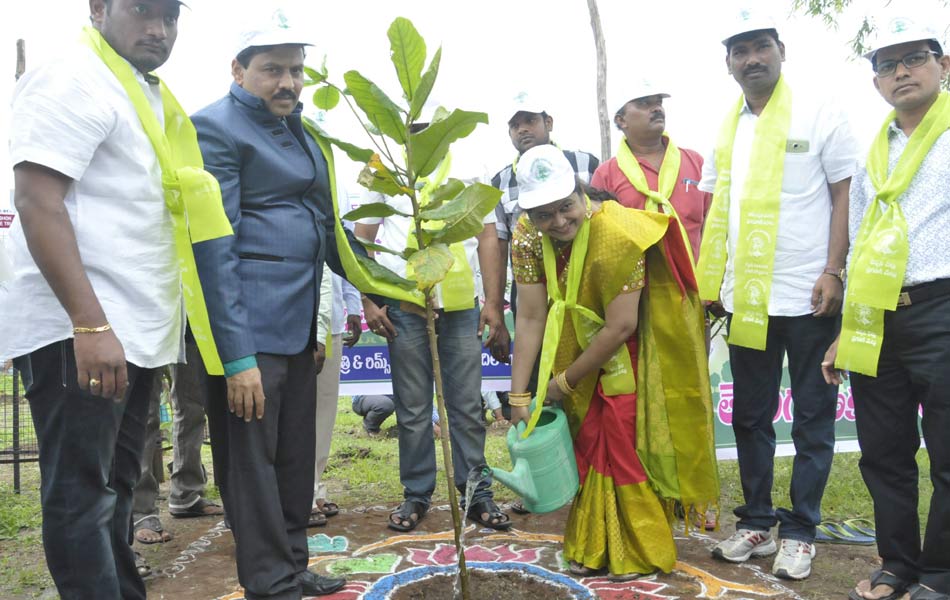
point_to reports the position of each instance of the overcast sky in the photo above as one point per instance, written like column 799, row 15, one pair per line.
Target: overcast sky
column 493, row 50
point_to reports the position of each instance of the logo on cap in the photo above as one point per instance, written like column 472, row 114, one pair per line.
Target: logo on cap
column 899, row 25
column 541, row 169
column 280, row 19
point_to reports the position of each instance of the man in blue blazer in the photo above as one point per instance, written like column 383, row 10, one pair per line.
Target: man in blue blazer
column 262, row 288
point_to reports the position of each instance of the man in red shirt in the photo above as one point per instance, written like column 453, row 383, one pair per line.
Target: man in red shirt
column 649, row 172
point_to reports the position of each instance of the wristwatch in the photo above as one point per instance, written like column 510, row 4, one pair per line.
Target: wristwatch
column 839, row 273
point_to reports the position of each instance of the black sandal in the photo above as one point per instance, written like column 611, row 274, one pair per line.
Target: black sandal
column 496, row 519
column 882, row 577
column 922, row 592
column 403, row 514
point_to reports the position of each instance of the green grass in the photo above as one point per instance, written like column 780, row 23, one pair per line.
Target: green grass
column 364, row 471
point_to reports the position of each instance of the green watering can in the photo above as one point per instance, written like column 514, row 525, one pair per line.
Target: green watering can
column 545, row 471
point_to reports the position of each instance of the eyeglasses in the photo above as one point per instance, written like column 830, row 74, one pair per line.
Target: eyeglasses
column 911, row 61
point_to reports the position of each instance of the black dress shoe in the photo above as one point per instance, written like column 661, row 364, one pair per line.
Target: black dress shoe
column 312, row 584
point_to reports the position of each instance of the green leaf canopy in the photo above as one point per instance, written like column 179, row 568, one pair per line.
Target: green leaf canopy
column 421, row 93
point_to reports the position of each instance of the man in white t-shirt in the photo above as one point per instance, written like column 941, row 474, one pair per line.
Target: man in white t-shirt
column 95, row 306
column 459, row 330
column 804, row 254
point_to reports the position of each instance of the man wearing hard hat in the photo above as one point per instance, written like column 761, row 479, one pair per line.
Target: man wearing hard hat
column 263, row 296
column 649, row 171
column 773, row 251
column 895, row 334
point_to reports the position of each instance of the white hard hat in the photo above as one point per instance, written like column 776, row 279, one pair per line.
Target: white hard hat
column 745, row 20
column 899, row 30
column 639, row 89
column 272, row 30
column 544, row 176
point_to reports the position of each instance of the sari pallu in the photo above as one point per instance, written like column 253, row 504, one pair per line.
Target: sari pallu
column 638, row 452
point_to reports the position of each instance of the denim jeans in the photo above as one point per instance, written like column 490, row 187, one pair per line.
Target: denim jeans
column 413, row 380
column 90, row 448
column 757, row 375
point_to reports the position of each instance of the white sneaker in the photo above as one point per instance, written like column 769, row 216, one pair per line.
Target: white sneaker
column 793, row 560
column 744, row 544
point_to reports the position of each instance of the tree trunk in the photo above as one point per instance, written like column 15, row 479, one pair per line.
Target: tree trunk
column 602, row 114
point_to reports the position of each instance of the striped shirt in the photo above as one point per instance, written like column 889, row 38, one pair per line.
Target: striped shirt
column 508, row 211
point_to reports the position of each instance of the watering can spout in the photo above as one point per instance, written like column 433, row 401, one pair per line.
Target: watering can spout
column 518, row 480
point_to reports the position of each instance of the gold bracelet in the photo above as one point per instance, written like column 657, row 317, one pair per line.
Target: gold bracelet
column 520, row 402
column 100, row 329
column 561, row 380
column 519, row 394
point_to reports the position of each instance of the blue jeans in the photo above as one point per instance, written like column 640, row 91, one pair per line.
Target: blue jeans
column 757, row 376
column 413, row 380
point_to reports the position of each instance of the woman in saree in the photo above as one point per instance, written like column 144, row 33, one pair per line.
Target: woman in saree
column 610, row 294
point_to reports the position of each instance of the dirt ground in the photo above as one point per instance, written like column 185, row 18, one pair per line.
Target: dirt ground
column 199, row 563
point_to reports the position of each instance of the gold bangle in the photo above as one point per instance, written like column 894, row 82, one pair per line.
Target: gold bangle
column 519, row 402
column 100, row 329
column 561, row 380
column 519, row 395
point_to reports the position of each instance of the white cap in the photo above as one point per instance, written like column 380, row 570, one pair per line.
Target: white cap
column 747, row 19
column 272, row 30
column 899, row 30
column 525, row 102
column 544, row 176
column 640, row 89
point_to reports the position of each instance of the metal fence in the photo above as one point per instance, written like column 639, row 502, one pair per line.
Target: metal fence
column 18, row 443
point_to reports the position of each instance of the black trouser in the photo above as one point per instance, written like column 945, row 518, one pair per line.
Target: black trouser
column 757, row 376
column 268, row 489
column 90, row 448
column 913, row 370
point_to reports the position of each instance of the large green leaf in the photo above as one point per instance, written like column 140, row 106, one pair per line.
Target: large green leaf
column 373, row 210
column 431, row 265
column 422, row 92
column 326, row 97
column 466, row 212
column 408, row 53
column 354, row 152
column 430, row 145
column 381, row 273
column 448, row 190
column 382, row 112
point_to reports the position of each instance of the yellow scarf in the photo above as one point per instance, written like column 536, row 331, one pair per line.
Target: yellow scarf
column 669, row 173
column 759, row 213
column 192, row 195
column 879, row 257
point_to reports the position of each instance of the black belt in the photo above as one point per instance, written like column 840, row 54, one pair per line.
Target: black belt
column 924, row 291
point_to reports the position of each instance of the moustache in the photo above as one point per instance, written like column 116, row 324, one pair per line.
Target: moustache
column 751, row 70
column 285, row 96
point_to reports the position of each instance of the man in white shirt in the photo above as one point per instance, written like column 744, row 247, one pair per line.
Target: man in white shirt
column 459, row 330
column 905, row 184
column 95, row 306
column 781, row 237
